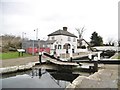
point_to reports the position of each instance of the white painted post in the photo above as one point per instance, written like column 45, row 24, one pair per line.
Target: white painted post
column 90, row 56
column 95, row 58
column 40, row 53
column 99, row 55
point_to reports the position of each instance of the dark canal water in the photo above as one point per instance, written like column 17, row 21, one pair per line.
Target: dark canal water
column 41, row 78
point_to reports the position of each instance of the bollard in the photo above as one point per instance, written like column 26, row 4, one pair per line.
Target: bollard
column 40, row 56
column 95, row 64
column 22, row 53
column 40, row 74
column 91, row 69
column 71, row 55
column 70, row 59
column 19, row 54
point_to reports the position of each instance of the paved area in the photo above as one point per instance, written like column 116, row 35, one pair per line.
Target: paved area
column 107, row 77
column 18, row 61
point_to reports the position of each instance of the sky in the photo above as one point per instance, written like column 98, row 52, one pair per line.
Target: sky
column 20, row 16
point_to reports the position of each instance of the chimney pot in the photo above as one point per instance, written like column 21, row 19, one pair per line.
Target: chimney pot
column 65, row 28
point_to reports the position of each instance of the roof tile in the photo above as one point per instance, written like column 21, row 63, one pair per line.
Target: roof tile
column 62, row 32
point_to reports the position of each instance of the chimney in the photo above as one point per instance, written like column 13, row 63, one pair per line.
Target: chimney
column 65, row 28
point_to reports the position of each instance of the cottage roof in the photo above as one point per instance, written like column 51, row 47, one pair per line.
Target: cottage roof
column 62, row 32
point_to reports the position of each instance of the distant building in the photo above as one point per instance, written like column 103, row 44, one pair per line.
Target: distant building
column 38, row 45
column 62, row 40
column 35, row 43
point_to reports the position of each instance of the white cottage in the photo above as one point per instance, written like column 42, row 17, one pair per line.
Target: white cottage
column 62, row 41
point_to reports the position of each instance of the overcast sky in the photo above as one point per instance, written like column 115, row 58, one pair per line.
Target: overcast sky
column 50, row 15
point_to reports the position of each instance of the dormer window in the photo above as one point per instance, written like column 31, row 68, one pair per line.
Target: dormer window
column 69, row 39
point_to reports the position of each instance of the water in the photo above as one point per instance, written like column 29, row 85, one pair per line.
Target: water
column 40, row 78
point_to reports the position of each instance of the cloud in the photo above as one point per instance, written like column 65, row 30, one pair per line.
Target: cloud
column 51, row 15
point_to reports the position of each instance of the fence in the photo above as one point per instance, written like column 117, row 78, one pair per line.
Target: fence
column 36, row 50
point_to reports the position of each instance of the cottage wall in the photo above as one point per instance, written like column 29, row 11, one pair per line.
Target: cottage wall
column 62, row 40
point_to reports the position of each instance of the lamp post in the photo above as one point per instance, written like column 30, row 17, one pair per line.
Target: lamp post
column 37, row 38
column 38, row 45
column 33, row 48
column 23, row 33
column 34, row 42
column 36, row 33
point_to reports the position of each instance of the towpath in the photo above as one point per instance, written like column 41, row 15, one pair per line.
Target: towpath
column 18, row 61
column 25, row 60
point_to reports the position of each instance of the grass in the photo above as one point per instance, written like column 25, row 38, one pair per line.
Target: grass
column 116, row 56
column 10, row 55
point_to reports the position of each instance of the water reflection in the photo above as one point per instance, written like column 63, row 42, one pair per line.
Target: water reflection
column 37, row 72
column 57, row 76
column 66, row 76
column 40, row 78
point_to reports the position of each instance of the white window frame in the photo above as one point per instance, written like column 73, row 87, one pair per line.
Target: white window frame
column 74, row 39
column 69, row 38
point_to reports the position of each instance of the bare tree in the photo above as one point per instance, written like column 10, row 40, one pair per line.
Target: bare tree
column 80, row 33
column 10, row 41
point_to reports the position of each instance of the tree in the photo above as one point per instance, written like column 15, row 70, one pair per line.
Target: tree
column 80, row 33
column 10, row 41
column 96, row 40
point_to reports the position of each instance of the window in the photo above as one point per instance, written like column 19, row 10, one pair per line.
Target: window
column 69, row 39
column 66, row 46
column 55, row 46
column 43, row 45
column 53, row 38
column 74, row 39
column 59, row 46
